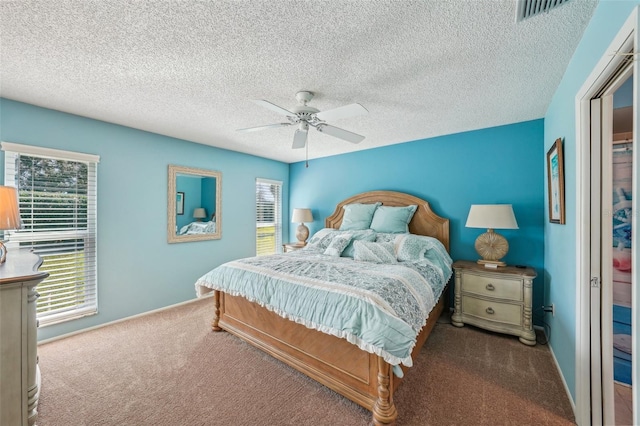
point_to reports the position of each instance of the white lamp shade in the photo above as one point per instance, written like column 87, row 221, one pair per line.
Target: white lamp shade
column 199, row 213
column 9, row 210
column 492, row 216
column 301, row 216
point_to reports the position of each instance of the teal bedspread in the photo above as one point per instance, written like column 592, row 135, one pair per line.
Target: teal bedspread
column 381, row 308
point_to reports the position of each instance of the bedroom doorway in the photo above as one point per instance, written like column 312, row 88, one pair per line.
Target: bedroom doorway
column 622, row 147
column 604, row 220
column 611, row 249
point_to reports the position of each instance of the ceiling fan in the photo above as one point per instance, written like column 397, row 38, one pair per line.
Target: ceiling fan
column 304, row 116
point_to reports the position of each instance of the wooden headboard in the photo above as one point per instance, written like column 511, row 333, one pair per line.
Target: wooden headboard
column 424, row 221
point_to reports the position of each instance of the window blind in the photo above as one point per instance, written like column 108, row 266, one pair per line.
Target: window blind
column 268, row 216
column 57, row 193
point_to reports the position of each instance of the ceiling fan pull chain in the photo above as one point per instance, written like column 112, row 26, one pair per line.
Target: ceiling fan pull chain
column 306, row 159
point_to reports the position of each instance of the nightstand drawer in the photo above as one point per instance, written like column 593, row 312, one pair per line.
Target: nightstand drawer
column 501, row 312
column 499, row 288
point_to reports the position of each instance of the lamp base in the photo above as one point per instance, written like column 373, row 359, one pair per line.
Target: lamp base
column 302, row 233
column 492, row 247
column 3, row 253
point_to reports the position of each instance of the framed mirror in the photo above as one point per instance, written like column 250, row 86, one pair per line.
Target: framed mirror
column 194, row 208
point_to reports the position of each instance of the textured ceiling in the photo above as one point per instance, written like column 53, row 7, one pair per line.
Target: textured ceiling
column 189, row 69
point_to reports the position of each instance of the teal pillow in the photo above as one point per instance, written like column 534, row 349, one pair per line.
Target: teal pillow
column 374, row 252
column 357, row 216
column 416, row 248
column 366, row 235
column 394, row 220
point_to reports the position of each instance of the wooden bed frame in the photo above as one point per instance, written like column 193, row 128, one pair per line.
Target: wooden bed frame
column 364, row 378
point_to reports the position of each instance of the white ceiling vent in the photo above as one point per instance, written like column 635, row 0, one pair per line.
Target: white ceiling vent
column 528, row 8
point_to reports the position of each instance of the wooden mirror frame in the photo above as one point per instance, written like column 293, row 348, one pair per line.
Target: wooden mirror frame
column 174, row 171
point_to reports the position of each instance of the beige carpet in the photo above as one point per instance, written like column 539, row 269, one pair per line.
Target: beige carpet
column 168, row 368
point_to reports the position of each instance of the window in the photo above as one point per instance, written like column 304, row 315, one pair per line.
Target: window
column 58, row 205
column 268, row 216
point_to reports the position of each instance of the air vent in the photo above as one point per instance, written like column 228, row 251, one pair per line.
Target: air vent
column 527, row 8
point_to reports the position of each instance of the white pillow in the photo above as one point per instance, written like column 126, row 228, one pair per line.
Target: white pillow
column 338, row 244
column 374, row 252
column 321, row 239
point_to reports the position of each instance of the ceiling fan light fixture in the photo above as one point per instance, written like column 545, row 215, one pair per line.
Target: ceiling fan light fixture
column 304, row 116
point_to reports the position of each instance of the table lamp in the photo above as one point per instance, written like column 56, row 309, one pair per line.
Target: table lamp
column 491, row 246
column 301, row 216
column 9, row 215
column 199, row 213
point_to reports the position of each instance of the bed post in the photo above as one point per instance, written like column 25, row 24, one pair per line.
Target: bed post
column 216, row 312
column 384, row 410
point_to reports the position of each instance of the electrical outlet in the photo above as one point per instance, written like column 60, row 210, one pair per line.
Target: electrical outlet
column 551, row 308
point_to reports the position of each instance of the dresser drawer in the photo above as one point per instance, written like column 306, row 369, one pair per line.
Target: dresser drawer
column 505, row 313
column 499, row 288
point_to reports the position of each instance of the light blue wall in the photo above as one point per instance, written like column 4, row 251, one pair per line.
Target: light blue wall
column 496, row 165
column 560, row 122
column 137, row 269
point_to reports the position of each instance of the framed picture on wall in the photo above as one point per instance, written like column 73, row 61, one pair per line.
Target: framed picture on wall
column 555, row 182
column 180, row 203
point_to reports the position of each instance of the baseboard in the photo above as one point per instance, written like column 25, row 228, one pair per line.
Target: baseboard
column 84, row 330
column 564, row 383
column 555, row 362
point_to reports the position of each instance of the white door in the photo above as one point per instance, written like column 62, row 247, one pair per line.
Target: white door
column 601, row 254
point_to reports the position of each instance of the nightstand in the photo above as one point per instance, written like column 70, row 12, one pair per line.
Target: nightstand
column 287, row 247
column 494, row 299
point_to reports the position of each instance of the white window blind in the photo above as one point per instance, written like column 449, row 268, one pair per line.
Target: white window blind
column 58, row 208
column 268, row 216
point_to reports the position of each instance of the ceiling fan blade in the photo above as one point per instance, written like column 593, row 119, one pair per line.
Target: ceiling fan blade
column 299, row 139
column 268, row 126
column 273, row 107
column 340, row 133
column 346, row 111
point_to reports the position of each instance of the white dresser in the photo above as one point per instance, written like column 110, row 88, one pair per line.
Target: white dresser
column 19, row 386
column 494, row 299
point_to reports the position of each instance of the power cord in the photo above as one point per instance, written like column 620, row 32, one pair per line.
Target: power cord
column 544, row 339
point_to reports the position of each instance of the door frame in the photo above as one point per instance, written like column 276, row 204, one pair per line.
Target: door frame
column 626, row 40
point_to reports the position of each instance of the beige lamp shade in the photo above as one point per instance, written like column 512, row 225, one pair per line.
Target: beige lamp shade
column 9, row 211
column 491, row 216
column 301, row 216
column 199, row 213
column 9, row 214
column 491, row 246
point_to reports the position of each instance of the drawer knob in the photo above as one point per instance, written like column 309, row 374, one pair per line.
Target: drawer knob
column 490, row 310
column 490, row 287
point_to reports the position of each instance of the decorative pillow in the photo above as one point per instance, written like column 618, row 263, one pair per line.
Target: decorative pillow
column 321, row 239
column 357, row 216
column 338, row 244
column 393, row 220
column 365, row 235
column 412, row 248
column 385, row 237
column 374, row 252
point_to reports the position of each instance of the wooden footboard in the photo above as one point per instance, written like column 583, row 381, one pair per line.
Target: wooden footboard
column 364, row 378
